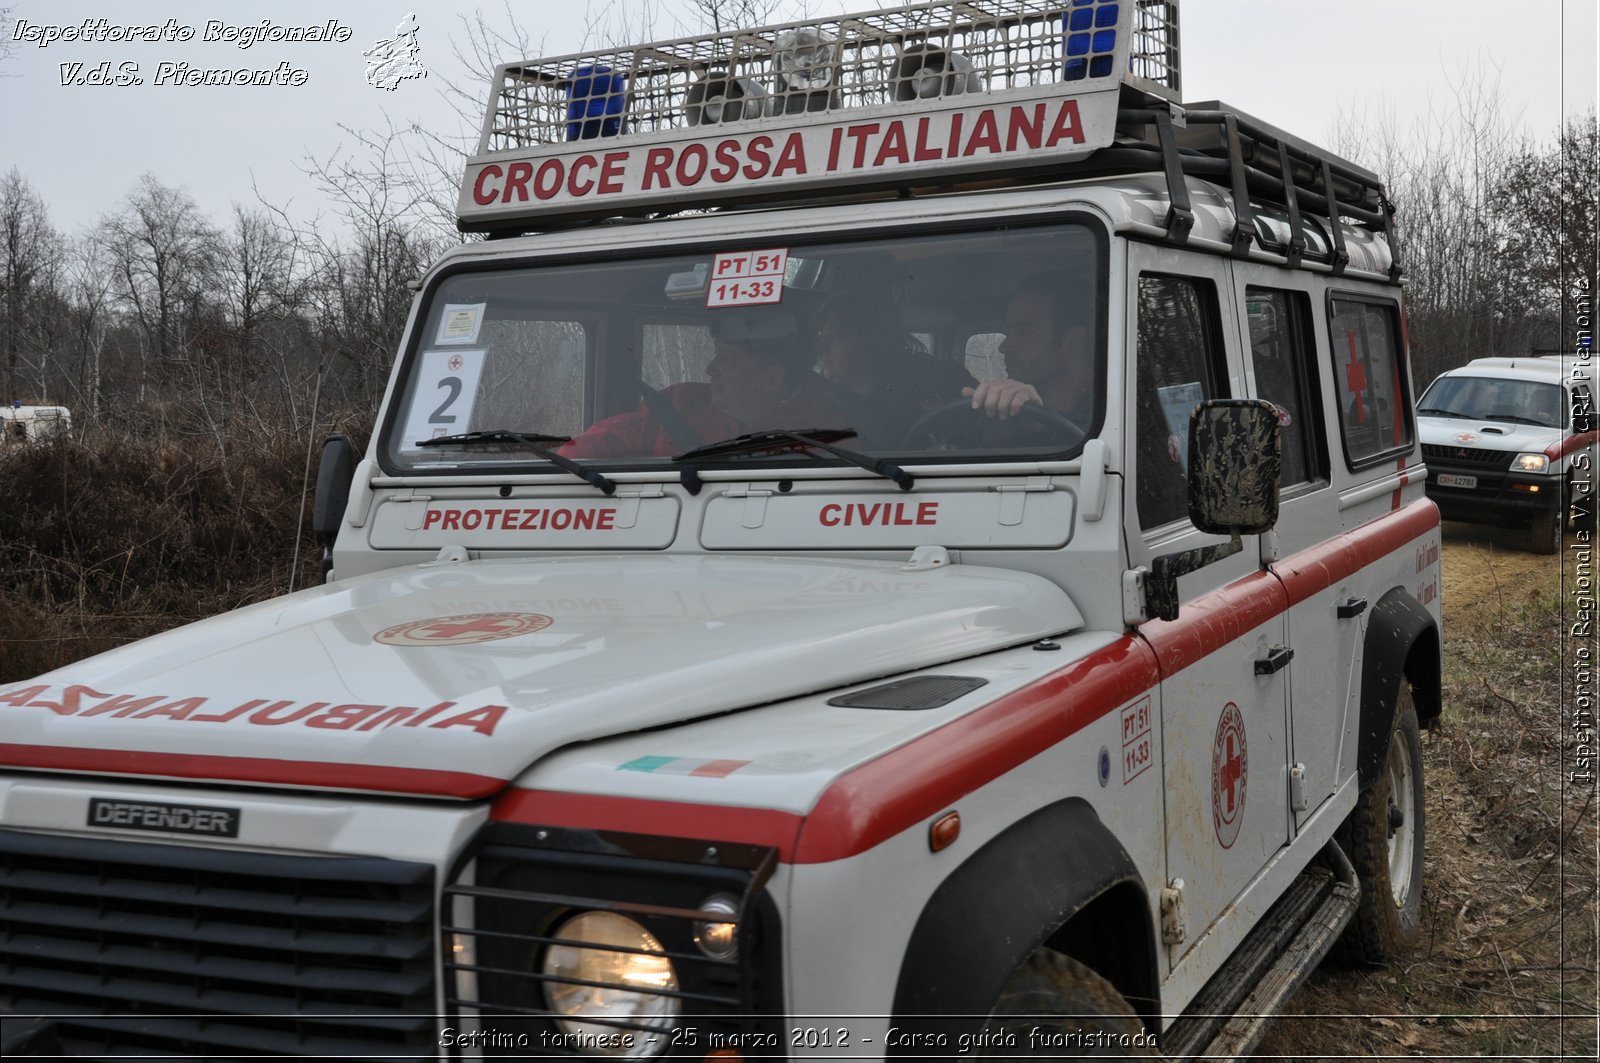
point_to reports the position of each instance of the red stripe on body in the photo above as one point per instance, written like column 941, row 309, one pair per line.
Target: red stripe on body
column 1560, row 449
column 1213, row 620
column 421, row 782
column 1312, row 571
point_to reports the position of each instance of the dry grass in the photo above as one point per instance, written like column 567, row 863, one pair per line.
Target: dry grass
column 1506, row 967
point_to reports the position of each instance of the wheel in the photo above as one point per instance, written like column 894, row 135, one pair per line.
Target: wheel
column 1384, row 839
column 957, row 425
column 1055, row 1006
column 1545, row 536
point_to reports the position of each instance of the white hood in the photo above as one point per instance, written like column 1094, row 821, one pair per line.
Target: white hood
column 365, row 684
column 1470, row 434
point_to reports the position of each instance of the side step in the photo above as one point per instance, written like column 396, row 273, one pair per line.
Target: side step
column 1229, row 1016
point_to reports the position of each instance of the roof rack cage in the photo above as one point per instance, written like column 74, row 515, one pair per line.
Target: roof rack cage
column 833, row 64
column 1257, row 162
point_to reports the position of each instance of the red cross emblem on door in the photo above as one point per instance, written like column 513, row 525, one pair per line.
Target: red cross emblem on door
column 1229, row 770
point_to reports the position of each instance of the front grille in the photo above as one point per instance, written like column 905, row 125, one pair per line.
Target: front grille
column 1471, row 455
column 165, row 950
column 518, row 889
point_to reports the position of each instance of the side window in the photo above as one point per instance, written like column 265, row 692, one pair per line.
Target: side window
column 1282, row 353
column 1375, row 408
column 1179, row 360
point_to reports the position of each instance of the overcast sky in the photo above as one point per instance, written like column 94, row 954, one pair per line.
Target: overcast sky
column 1296, row 64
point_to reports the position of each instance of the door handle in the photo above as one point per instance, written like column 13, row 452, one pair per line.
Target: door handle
column 1276, row 660
column 1351, row 607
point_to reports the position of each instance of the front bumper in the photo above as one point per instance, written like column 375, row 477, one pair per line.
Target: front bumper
column 1497, row 495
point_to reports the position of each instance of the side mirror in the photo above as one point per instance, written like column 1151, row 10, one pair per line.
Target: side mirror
column 338, row 468
column 1234, row 458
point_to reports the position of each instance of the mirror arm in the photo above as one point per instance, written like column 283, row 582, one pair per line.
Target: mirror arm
column 1161, row 589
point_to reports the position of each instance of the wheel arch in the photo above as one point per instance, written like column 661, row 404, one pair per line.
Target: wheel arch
column 1401, row 642
column 1058, row 877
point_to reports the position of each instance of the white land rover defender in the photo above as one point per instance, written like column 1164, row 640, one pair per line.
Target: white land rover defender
column 904, row 536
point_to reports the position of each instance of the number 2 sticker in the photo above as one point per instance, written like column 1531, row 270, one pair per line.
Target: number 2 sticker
column 445, row 393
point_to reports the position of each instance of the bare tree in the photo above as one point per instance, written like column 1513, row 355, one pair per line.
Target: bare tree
column 164, row 254
column 29, row 253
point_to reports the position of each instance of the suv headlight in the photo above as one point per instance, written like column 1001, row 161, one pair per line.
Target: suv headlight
column 1530, row 463
column 622, row 978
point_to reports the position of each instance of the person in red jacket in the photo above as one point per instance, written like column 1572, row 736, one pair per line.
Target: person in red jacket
column 759, row 378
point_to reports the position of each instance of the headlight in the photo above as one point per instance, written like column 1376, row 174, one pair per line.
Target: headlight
column 631, row 984
column 1530, row 463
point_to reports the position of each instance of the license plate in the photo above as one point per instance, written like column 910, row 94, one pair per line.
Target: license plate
column 1467, row 482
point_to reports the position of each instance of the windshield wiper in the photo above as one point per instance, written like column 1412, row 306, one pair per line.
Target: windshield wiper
column 1439, row 412
column 790, row 439
column 1517, row 419
column 532, row 441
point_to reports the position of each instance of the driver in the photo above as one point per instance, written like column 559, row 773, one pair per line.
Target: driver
column 1047, row 355
column 760, row 377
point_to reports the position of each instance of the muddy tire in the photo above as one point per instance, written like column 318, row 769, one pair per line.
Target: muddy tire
column 1384, row 839
column 1053, row 1006
column 1545, row 535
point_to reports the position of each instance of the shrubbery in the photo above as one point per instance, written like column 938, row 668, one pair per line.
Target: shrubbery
column 109, row 539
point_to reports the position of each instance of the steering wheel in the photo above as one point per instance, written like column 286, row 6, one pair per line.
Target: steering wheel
column 957, row 425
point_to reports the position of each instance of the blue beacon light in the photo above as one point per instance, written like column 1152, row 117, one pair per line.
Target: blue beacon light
column 594, row 103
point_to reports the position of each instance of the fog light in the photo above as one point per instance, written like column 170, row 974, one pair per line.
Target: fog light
column 719, row 940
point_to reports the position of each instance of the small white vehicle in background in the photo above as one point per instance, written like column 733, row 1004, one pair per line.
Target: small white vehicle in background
column 33, row 424
column 1511, row 442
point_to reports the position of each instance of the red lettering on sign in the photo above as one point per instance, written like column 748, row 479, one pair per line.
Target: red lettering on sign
column 471, row 519
column 834, row 140
column 893, row 148
column 517, row 180
column 431, row 518
column 547, row 182
column 482, row 194
column 1021, row 126
column 426, row 713
column 793, row 156
column 655, row 167
column 985, row 134
column 957, row 120
column 922, row 152
column 860, row 133
column 760, row 160
column 1067, row 126
column 878, row 514
column 692, row 163
column 727, row 168
column 452, row 520
column 611, row 172
column 22, row 695
column 576, row 185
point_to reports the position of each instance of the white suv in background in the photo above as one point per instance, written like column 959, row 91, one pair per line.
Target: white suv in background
column 1511, row 441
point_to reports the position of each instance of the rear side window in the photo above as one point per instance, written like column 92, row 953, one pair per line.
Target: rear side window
column 1283, row 357
column 1374, row 405
column 1179, row 360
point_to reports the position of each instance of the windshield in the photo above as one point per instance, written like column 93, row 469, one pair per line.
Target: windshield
column 1484, row 398
column 639, row 360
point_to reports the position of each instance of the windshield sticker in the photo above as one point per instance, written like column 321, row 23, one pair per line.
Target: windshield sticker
column 1177, row 402
column 747, row 278
column 446, row 391
column 705, row 769
column 460, row 322
column 462, row 629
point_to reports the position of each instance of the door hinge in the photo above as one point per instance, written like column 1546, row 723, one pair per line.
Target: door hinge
column 1297, row 788
column 1174, row 921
